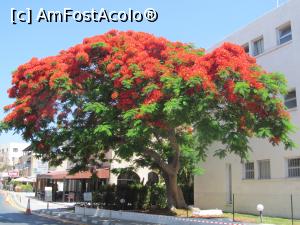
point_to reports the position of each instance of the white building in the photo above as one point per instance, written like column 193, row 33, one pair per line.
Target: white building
column 29, row 165
column 272, row 175
column 10, row 153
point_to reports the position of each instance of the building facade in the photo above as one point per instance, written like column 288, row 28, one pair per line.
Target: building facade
column 29, row 165
column 272, row 175
column 11, row 152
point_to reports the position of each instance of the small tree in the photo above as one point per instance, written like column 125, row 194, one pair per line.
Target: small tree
column 138, row 94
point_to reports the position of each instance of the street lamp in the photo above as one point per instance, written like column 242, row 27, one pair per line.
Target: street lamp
column 260, row 209
column 122, row 201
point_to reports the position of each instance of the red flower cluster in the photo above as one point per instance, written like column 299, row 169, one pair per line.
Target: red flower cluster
column 131, row 61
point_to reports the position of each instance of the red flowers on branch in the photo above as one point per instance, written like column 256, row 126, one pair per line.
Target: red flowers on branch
column 131, row 61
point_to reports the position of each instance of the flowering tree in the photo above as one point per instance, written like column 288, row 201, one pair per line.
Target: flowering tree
column 142, row 95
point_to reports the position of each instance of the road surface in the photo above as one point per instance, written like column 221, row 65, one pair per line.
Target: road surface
column 12, row 216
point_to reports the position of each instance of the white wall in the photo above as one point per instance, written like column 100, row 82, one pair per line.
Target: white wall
column 210, row 188
column 142, row 172
column 12, row 156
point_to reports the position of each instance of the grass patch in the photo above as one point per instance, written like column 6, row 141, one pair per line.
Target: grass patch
column 266, row 219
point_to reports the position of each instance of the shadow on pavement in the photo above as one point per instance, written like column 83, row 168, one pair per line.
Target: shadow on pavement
column 22, row 219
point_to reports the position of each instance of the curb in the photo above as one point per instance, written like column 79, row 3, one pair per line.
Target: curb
column 16, row 205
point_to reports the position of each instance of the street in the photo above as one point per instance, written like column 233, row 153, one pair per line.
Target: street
column 10, row 215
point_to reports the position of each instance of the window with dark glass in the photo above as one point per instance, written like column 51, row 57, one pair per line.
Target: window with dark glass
column 284, row 34
column 246, row 48
column 290, row 100
column 258, row 46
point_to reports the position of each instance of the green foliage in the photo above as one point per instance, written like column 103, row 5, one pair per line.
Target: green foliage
column 98, row 45
column 150, row 88
column 148, row 109
column 243, row 88
column 127, row 83
column 26, row 187
column 275, row 83
column 104, row 128
column 96, row 107
column 173, row 105
column 136, row 196
column 15, row 183
column 172, row 84
column 148, row 112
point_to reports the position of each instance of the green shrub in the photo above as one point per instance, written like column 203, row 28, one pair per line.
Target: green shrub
column 26, row 187
column 15, row 183
column 188, row 194
column 158, row 196
column 136, row 196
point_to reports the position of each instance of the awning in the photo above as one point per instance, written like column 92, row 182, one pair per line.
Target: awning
column 61, row 175
column 25, row 179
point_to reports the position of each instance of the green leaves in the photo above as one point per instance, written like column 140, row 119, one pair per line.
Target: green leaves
column 263, row 93
column 129, row 114
column 224, row 74
column 194, row 81
column 172, row 84
column 243, row 88
column 148, row 108
column 264, row 132
column 127, row 83
column 96, row 107
column 104, row 129
column 98, row 45
column 275, row 83
column 62, row 82
column 150, row 88
column 175, row 104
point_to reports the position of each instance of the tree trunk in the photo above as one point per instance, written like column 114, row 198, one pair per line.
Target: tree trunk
column 174, row 193
column 170, row 171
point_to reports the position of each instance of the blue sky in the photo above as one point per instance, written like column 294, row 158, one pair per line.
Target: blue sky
column 202, row 22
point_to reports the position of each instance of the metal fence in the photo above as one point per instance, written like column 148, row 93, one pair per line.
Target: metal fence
column 275, row 205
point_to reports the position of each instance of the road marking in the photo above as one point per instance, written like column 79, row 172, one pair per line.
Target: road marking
column 13, row 204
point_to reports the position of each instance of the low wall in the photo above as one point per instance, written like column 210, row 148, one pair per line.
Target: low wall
column 142, row 217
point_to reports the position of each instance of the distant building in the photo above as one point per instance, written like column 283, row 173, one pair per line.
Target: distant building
column 29, row 165
column 76, row 184
column 10, row 153
column 271, row 175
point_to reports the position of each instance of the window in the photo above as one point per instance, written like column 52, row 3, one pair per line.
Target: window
column 128, row 177
column 258, row 46
column 264, row 169
column 294, row 167
column 15, row 149
column 246, row 48
column 249, row 170
column 290, row 100
column 284, row 34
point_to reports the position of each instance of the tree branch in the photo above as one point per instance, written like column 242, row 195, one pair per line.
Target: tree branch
column 154, row 155
column 175, row 147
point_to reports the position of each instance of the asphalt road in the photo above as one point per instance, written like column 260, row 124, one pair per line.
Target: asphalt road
column 12, row 216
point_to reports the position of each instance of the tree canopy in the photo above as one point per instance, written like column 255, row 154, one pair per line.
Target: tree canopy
column 139, row 94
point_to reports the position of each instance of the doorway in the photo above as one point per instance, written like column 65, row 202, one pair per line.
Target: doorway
column 229, row 183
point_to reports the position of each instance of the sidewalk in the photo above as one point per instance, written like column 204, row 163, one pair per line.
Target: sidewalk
column 65, row 212
column 21, row 198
